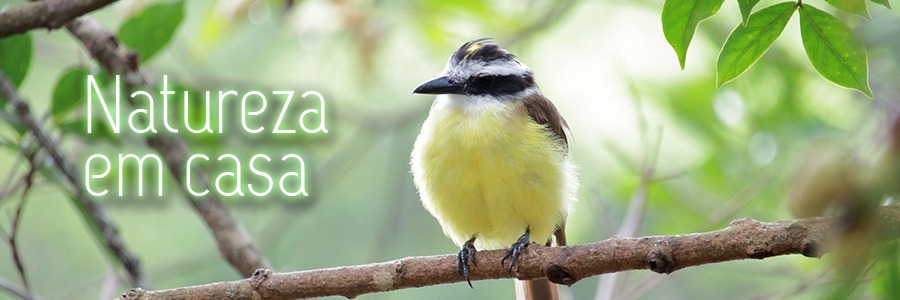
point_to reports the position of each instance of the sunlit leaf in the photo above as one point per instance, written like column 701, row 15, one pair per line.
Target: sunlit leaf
column 834, row 51
column 747, row 44
column 746, row 7
column 15, row 57
column 70, row 90
column 680, row 20
column 886, row 3
column 856, row 7
column 150, row 30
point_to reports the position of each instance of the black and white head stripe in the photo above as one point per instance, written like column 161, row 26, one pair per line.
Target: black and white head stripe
column 486, row 69
column 483, row 50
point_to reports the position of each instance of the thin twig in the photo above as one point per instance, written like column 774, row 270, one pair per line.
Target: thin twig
column 96, row 214
column 28, row 180
column 10, row 186
column 602, row 216
column 16, row 291
column 552, row 15
column 110, row 284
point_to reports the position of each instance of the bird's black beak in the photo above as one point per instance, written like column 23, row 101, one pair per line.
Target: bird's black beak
column 440, row 85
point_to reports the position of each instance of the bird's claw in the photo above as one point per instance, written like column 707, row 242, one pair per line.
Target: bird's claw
column 466, row 254
column 514, row 250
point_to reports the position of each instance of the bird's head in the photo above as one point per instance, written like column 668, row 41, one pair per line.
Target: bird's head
column 482, row 68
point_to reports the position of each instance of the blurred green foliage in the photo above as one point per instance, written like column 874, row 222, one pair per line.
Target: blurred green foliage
column 150, row 30
column 70, row 91
column 832, row 47
column 722, row 153
column 15, row 57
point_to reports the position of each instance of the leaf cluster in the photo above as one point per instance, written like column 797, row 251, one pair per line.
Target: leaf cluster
column 833, row 49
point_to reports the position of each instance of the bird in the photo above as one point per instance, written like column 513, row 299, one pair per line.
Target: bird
column 491, row 162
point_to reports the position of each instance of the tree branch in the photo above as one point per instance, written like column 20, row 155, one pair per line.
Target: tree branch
column 34, row 164
column 235, row 244
column 97, row 214
column 50, row 14
column 742, row 239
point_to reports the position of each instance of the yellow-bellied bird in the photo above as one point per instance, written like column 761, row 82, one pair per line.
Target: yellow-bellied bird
column 491, row 161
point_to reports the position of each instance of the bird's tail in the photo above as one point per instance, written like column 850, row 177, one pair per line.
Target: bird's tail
column 541, row 289
column 538, row 289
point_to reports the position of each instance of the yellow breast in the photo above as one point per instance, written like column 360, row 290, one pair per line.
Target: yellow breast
column 488, row 171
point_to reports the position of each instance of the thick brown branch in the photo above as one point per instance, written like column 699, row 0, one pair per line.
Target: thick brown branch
column 235, row 244
column 48, row 14
column 743, row 239
column 97, row 214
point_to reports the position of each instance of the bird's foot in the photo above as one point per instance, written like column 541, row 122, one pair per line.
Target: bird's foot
column 466, row 254
column 513, row 253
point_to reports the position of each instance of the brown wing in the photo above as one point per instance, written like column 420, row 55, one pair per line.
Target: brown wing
column 543, row 112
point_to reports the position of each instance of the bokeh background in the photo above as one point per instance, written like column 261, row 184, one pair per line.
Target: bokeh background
column 684, row 155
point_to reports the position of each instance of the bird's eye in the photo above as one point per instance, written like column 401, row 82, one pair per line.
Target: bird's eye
column 483, row 81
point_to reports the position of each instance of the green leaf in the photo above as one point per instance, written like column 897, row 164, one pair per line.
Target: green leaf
column 884, row 284
column 13, row 121
column 747, row 44
column 746, row 7
column 856, row 7
column 149, row 31
column 15, row 57
column 834, row 51
column 681, row 17
column 886, row 3
column 100, row 130
column 10, row 144
column 71, row 89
